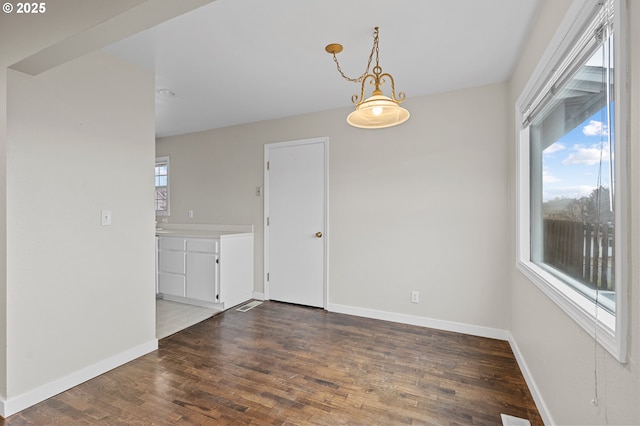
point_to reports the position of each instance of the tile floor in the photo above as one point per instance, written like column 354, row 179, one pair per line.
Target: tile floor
column 172, row 317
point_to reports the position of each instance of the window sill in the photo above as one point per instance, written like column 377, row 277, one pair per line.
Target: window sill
column 578, row 307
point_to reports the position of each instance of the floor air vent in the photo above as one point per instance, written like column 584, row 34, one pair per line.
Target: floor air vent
column 250, row 305
column 514, row 421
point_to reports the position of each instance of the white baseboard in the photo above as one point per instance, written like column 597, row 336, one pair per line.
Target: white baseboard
column 474, row 330
column 188, row 301
column 533, row 388
column 13, row 405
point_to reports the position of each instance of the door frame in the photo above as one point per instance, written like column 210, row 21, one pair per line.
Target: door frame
column 267, row 148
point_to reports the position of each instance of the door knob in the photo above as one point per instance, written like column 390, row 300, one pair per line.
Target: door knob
column 319, row 234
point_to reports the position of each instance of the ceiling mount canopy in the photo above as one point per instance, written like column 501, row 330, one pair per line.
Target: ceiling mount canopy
column 377, row 111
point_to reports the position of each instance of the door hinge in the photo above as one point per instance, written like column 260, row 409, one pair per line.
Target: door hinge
column 218, row 260
column 267, row 276
column 268, row 165
column 267, row 221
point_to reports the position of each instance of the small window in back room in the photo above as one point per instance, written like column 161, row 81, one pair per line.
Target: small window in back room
column 162, row 186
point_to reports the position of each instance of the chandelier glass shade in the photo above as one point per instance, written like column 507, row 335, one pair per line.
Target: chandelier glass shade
column 377, row 111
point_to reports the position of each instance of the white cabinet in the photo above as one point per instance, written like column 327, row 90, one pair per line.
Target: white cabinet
column 202, row 273
column 188, row 268
column 206, row 271
column 172, row 266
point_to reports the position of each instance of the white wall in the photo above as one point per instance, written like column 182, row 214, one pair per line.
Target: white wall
column 76, row 299
column 559, row 354
column 21, row 36
column 418, row 207
column 80, row 139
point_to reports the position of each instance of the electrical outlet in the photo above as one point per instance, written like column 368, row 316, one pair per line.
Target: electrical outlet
column 415, row 296
column 191, row 214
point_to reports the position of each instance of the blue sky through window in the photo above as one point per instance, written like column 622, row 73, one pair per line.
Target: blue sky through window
column 572, row 164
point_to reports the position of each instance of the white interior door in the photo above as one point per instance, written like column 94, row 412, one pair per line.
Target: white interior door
column 295, row 221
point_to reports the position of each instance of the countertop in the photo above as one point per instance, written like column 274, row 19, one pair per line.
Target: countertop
column 201, row 230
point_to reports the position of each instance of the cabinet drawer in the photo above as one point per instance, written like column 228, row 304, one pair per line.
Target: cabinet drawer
column 202, row 245
column 172, row 261
column 169, row 243
column 172, row 284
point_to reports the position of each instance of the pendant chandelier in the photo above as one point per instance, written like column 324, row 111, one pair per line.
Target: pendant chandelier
column 377, row 111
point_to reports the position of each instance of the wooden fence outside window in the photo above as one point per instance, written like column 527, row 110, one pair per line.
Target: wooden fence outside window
column 583, row 251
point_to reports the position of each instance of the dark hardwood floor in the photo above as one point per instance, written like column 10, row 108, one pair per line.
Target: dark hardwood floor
column 281, row 364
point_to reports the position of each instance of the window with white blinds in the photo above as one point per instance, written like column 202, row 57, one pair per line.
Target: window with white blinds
column 571, row 171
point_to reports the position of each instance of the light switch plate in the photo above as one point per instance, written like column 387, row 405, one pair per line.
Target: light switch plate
column 106, row 217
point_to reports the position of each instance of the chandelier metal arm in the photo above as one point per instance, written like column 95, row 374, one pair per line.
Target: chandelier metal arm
column 378, row 80
column 358, row 99
column 401, row 95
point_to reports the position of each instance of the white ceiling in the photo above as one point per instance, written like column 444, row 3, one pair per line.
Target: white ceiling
column 240, row 61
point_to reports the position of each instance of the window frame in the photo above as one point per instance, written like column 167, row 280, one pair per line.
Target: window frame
column 164, row 160
column 610, row 331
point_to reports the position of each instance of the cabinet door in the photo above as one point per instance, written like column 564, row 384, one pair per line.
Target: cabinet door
column 171, row 261
column 202, row 276
column 171, row 284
